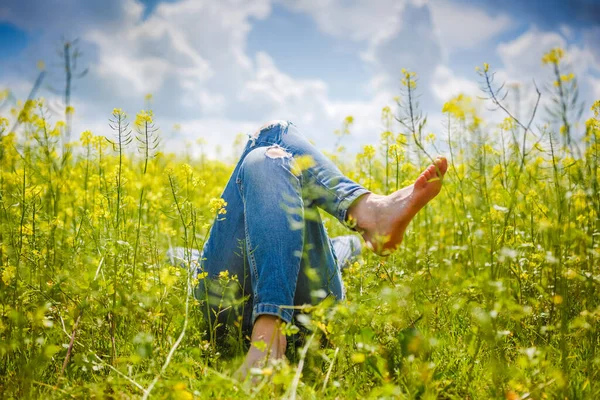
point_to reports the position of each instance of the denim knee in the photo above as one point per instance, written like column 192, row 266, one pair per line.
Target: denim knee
column 273, row 212
column 264, row 164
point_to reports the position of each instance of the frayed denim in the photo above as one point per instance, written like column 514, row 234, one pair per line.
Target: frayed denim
column 272, row 238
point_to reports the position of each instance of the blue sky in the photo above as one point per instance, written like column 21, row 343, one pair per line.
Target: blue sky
column 218, row 68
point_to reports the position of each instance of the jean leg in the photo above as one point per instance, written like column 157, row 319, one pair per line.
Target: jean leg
column 274, row 223
column 325, row 185
column 223, row 251
column 320, row 274
column 270, row 247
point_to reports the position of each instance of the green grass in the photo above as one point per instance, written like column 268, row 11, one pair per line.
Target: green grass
column 493, row 294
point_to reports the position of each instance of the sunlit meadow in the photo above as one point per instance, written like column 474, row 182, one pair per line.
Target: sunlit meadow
column 493, row 294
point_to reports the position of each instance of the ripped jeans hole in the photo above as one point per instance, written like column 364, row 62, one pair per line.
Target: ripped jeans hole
column 277, row 151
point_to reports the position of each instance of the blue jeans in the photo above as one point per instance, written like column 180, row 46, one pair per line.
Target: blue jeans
column 272, row 238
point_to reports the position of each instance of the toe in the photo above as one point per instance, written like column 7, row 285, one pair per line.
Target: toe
column 442, row 165
column 431, row 172
column 421, row 181
column 427, row 174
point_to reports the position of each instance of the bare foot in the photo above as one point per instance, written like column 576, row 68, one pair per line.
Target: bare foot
column 267, row 344
column 382, row 220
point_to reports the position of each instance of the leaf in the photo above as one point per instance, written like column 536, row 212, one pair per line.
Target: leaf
column 51, row 350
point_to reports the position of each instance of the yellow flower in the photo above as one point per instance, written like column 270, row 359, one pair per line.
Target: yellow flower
column 596, row 109
column 369, row 151
column 563, row 129
column 224, row 275
column 409, row 79
column 4, row 94
column 386, row 136
column 86, row 138
column 486, row 68
column 455, row 107
column 553, row 56
column 3, row 124
column 508, row 124
column 8, row 274
column 180, row 392
column 217, row 205
column 186, row 170
column 386, row 115
column 143, row 118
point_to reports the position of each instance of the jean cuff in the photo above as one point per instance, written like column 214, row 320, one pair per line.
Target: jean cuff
column 346, row 202
column 286, row 314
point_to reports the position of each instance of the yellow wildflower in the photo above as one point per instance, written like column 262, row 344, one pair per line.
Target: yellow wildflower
column 8, row 274
column 224, row 275
column 217, row 205
column 596, row 109
column 86, row 138
column 143, row 118
column 409, row 79
column 553, row 56
column 369, row 151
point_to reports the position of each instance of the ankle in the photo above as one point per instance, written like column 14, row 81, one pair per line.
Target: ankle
column 362, row 212
column 267, row 337
column 356, row 214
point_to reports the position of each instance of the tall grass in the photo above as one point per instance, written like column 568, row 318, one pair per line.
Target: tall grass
column 493, row 294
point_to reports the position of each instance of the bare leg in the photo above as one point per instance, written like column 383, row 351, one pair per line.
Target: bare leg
column 382, row 220
column 268, row 343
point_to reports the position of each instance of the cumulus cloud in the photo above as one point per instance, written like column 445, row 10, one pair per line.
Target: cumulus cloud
column 446, row 84
column 522, row 65
column 462, row 26
column 307, row 103
column 591, row 37
column 192, row 56
column 357, row 20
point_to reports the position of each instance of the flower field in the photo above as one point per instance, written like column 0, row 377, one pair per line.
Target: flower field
column 494, row 292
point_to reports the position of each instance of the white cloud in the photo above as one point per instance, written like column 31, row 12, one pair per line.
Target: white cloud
column 357, row 20
column 279, row 93
column 306, row 102
column 595, row 84
column 192, row 56
column 396, row 33
column 522, row 66
column 522, row 56
column 591, row 38
column 446, row 84
column 412, row 45
column 189, row 54
column 462, row 26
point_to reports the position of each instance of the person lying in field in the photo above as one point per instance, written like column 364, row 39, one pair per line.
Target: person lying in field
column 272, row 237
